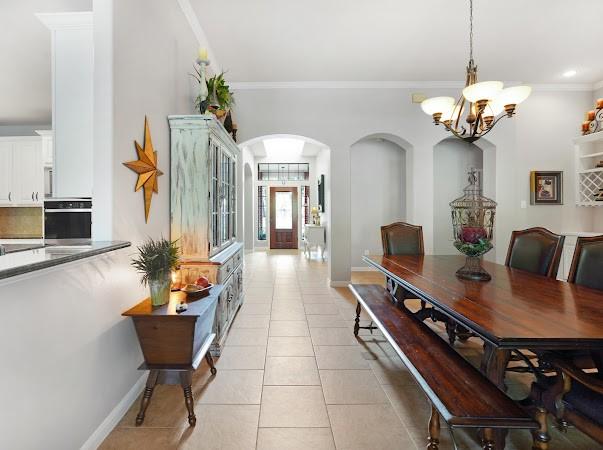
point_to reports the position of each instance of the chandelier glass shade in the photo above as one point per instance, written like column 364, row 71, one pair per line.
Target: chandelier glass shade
column 481, row 104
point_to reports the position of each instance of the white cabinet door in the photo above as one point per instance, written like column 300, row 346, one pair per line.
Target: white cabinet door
column 29, row 173
column 6, row 172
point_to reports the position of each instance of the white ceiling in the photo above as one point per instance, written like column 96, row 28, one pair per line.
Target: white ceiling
column 401, row 40
column 25, row 90
column 261, row 148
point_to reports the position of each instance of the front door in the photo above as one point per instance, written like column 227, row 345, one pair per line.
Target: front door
column 283, row 217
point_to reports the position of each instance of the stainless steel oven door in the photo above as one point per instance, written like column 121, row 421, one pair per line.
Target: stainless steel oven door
column 60, row 224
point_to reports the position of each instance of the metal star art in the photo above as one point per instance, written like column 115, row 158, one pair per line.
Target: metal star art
column 146, row 168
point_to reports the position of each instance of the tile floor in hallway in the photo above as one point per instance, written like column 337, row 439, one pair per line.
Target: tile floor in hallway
column 292, row 376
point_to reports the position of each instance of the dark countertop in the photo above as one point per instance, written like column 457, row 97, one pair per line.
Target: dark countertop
column 21, row 262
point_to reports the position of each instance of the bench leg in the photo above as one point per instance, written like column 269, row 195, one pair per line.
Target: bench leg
column 434, row 430
column 488, row 439
column 357, row 321
column 541, row 435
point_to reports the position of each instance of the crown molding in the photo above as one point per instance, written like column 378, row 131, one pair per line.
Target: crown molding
column 68, row 20
column 193, row 21
column 258, row 85
column 598, row 85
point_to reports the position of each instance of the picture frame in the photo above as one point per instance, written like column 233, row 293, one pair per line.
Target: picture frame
column 546, row 187
column 321, row 193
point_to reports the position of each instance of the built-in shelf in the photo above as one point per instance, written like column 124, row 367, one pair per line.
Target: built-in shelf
column 589, row 179
column 592, row 155
column 596, row 169
column 593, row 137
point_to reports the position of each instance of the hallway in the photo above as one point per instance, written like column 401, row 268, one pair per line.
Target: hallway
column 292, row 376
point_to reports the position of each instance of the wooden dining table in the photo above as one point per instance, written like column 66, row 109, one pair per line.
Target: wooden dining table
column 515, row 310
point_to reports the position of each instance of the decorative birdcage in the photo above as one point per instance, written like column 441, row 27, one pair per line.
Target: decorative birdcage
column 473, row 227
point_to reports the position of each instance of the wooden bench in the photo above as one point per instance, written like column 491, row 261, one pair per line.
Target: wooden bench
column 458, row 392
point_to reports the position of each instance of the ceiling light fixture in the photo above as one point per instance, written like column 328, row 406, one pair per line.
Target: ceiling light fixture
column 479, row 104
column 569, row 73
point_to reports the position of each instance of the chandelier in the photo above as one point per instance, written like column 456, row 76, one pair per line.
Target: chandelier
column 480, row 106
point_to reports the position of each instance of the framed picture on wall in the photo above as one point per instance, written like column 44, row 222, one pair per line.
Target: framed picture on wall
column 321, row 193
column 546, row 187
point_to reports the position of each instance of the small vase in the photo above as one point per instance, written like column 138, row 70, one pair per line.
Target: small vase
column 160, row 291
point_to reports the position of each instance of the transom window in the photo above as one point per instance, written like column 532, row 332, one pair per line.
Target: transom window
column 283, row 171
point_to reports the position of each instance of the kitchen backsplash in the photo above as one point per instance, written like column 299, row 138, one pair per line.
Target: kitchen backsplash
column 21, row 223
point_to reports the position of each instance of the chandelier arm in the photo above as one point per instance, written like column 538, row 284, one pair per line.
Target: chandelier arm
column 460, row 104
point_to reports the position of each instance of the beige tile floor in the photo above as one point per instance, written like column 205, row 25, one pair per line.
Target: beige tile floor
column 292, row 376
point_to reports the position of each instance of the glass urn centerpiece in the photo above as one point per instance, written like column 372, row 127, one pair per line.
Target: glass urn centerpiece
column 473, row 227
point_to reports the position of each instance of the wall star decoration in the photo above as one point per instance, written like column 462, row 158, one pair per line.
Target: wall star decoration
column 146, row 168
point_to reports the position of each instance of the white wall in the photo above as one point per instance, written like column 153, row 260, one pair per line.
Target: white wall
column 323, row 167
column 74, row 360
column 540, row 135
column 378, row 193
column 247, row 198
column 451, row 160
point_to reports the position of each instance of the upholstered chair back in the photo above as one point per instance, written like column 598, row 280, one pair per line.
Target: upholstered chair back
column 535, row 250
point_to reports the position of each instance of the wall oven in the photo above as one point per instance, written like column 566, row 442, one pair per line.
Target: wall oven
column 68, row 220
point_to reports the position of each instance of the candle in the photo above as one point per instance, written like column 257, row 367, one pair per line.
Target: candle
column 203, row 54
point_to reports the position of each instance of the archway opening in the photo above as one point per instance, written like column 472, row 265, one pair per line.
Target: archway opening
column 284, row 162
column 378, row 192
column 452, row 159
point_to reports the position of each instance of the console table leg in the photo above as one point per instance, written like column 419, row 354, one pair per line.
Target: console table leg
column 357, row 320
column 185, row 382
column 146, row 396
column 210, row 361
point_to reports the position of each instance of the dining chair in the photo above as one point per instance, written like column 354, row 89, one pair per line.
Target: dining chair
column 536, row 250
column 587, row 263
column 586, row 270
column 401, row 238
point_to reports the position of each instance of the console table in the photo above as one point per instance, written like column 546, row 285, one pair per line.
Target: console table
column 174, row 343
column 314, row 236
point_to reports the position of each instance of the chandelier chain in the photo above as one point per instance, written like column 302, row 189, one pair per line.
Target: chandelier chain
column 471, row 30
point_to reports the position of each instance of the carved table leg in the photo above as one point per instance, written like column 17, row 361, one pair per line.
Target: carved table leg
column 488, row 442
column 185, row 382
column 146, row 396
column 493, row 366
column 434, row 430
column 357, row 320
column 541, row 436
column 210, row 361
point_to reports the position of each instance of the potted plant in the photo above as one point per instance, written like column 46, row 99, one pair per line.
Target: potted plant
column 155, row 261
column 220, row 97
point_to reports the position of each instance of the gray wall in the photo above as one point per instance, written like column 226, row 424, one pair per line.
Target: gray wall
column 451, row 160
column 378, row 193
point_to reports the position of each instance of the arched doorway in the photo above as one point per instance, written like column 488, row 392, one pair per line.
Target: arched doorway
column 451, row 160
column 283, row 162
column 379, row 191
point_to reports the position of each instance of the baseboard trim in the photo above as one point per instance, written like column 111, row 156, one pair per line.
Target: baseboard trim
column 339, row 283
column 103, row 430
column 364, row 269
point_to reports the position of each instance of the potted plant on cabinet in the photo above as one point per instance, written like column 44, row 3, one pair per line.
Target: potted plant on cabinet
column 220, row 97
column 155, row 261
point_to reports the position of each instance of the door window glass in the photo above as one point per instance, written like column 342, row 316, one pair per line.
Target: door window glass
column 284, row 210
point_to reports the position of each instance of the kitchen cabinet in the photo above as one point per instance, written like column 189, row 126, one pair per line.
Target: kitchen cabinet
column 205, row 162
column 21, row 171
